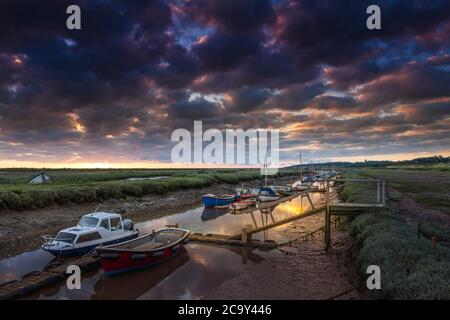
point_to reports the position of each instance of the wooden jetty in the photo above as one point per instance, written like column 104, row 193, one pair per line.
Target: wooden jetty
column 280, row 222
column 342, row 209
column 226, row 240
column 39, row 280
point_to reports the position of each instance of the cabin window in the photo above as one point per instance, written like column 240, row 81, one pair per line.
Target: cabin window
column 89, row 237
column 105, row 224
column 66, row 237
column 88, row 222
column 115, row 224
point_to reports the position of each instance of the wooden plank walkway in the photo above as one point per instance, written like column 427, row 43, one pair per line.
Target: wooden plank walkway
column 225, row 240
column 281, row 222
column 38, row 280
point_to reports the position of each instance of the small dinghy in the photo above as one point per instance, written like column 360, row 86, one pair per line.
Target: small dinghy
column 98, row 228
column 246, row 193
column 143, row 252
column 242, row 204
column 218, row 201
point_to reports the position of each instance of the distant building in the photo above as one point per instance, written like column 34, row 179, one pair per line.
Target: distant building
column 40, row 178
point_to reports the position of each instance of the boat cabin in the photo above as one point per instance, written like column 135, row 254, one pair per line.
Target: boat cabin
column 91, row 227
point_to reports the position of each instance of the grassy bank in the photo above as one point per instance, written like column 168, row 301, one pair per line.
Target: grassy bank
column 411, row 268
column 85, row 187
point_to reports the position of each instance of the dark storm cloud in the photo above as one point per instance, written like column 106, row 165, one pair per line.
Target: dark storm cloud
column 139, row 69
column 248, row 99
column 234, row 16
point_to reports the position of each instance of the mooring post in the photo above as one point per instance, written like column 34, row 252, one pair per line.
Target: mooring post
column 328, row 191
column 310, row 201
column 327, row 229
column 244, row 235
column 379, row 191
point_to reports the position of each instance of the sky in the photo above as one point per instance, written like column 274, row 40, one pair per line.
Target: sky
column 111, row 94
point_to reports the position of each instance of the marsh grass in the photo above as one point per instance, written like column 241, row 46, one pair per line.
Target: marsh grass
column 411, row 268
column 97, row 185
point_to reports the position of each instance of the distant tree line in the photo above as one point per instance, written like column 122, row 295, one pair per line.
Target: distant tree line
column 377, row 163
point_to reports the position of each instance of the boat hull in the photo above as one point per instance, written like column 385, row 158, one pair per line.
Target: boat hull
column 125, row 263
column 117, row 261
column 212, row 201
column 268, row 198
column 83, row 250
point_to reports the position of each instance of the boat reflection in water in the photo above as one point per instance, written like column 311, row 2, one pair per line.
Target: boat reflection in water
column 213, row 213
column 134, row 284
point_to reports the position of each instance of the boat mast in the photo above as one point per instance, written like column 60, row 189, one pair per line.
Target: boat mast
column 301, row 168
column 265, row 170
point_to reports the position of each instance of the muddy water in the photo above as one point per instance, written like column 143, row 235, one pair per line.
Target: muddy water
column 191, row 275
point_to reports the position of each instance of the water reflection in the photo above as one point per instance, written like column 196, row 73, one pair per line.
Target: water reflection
column 212, row 213
column 221, row 221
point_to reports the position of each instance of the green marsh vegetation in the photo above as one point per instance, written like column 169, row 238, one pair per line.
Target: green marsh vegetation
column 85, row 186
column 411, row 267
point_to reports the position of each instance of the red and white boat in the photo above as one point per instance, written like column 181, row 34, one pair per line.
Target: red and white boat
column 242, row 204
column 146, row 251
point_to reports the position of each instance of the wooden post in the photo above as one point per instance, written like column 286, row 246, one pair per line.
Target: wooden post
column 383, row 193
column 310, row 201
column 327, row 229
column 328, row 192
column 378, row 191
column 244, row 235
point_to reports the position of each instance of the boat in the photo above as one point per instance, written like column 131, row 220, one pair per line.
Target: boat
column 288, row 191
column 246, row 193
column 135, row 284
column 301, row 186
column 267, row 194
column 93, row 229
column 218, row 201
column 146, row 251
column 242, row 204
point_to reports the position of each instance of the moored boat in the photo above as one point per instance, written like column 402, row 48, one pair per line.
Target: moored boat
column 143, row 252
column 242, row 204
column 301, row 186
column 266, row 194
column 218, row 201
column 93, row 229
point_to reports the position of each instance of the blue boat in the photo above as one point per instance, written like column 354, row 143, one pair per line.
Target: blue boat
column 214, row 201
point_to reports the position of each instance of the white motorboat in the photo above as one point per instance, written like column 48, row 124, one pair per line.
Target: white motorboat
column 94, row 229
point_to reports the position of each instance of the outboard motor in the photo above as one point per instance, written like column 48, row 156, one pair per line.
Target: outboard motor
column 128, row 224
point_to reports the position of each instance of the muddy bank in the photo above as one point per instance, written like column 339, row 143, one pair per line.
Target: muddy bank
column 307, row 272
column 22, row 230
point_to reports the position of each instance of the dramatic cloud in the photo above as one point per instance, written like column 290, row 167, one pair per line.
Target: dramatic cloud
column 114, row 90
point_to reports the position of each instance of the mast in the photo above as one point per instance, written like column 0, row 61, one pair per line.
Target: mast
column 301, row 168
